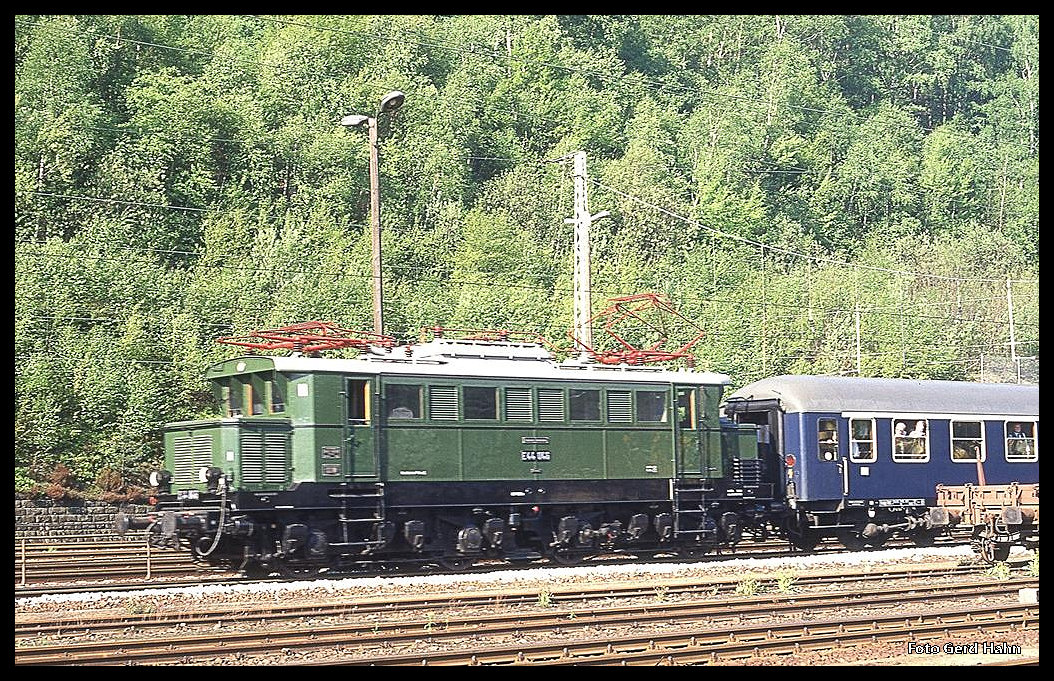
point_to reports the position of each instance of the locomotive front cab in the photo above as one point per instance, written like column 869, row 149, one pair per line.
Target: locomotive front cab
column 245, row 449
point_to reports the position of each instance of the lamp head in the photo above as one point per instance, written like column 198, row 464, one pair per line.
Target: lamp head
column 392, row 101
column 354, row 120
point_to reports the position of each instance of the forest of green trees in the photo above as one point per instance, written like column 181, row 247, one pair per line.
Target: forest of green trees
column 828, row 194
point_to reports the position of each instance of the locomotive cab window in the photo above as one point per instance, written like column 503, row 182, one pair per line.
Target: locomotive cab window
column 862, row 441
column 481, row 403
column 911, row 440
column 403, row 401
column 358, row 401
column 967, row 441
column 233, row 397
column 585, row 405
column 827, row 437
column 255, row 390
column 275, row 396
column 1021, row 444
column 651, row 406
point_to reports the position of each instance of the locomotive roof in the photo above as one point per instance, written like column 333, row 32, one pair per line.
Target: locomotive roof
column 875, row 396
column 469, row 359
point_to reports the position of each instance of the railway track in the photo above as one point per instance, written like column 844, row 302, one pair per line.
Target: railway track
column 38, row 563
column 30, row 626
column 187, row 645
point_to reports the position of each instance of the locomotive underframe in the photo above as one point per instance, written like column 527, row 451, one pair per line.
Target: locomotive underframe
column 315, row 525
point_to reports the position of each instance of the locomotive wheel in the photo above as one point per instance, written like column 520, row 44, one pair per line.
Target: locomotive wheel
column 566, row 556
column 455, row 563
column 300, row 571
column 254, row 569
column 692, row 551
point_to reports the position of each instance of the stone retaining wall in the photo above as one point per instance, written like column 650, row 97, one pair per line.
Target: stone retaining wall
column 43, row 519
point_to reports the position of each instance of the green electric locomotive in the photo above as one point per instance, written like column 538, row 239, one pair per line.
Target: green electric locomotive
column 450, row 451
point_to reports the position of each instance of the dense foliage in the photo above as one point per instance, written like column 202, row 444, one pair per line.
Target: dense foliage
column 823, row 194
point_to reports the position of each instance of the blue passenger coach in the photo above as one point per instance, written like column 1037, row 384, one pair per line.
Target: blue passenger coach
column 860, row 458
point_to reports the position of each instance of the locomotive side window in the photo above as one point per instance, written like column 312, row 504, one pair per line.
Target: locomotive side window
column 481, row 403
column 862, row 440
column 404, row 401
column 967, row 441
column 358, row 401
column 651, row 406
column 911, row 441
column 1021, row 442
column 585, row 405
column 827, row 435
column 686, row 408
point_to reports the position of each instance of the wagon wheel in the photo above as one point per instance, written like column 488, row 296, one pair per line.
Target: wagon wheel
column 806, row 541
column 924, row 538
column 852, row 541
column 877, row 541
column 993, row 551
column 987, row 548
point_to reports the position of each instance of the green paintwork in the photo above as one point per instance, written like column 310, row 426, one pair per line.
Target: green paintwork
column 248, row 365
column 227, row 451
column 326, row 446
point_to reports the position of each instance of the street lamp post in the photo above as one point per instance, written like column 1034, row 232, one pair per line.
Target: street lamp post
column 391, row 101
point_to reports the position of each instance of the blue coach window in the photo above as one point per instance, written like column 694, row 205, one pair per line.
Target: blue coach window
column 862, row 440
column 827, row 432
column 967, row 441
column 1021, row 441
column 911, row 440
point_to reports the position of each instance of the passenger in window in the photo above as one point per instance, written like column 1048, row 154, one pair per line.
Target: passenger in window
column 902, row 429
column 920, row 430
column 1017, row 432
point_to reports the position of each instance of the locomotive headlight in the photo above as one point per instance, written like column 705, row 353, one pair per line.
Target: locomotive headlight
column 828, row 456
column 160, row 478
column 203, row 474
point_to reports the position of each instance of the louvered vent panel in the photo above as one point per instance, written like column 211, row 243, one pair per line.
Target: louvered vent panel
column 619, row 409
column 276, row 458
column 518, row 404
column 442, row 402
column 184, row 472
column 252, row 457
column 550, row 404
column 190, row 454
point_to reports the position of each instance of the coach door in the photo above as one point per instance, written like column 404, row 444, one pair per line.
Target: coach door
column 360, row 428
column 833, row 481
